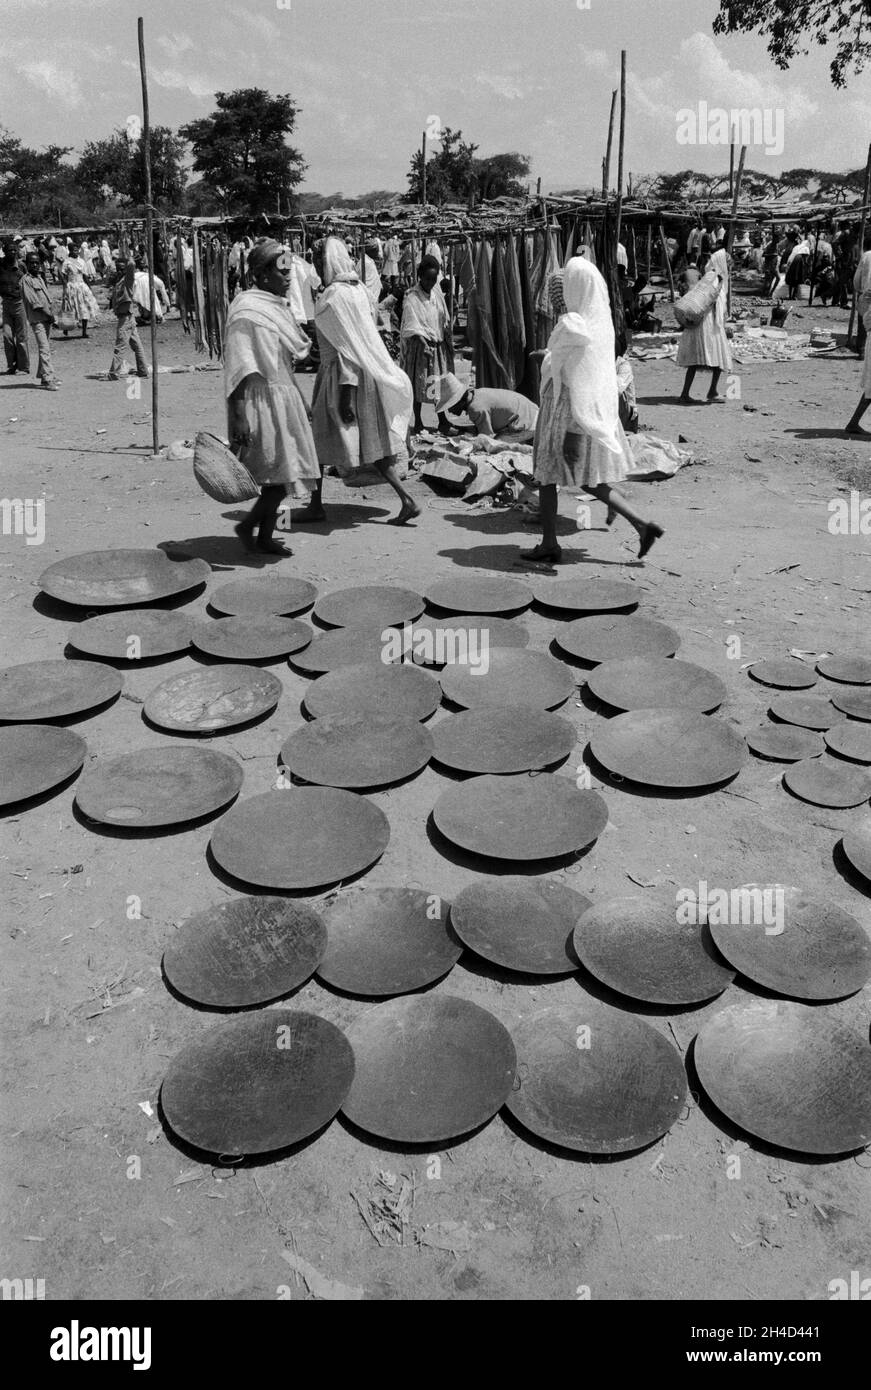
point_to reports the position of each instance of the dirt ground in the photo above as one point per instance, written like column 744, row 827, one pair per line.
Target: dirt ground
column 747, row 551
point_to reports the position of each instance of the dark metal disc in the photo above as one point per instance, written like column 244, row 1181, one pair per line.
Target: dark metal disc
column 826, row 783
column 853, row 670
column 158, row 786
column 251, row 637
column 384, row 941
column 346, row 646
column 369, row 605
column 786, row 672
column 596, row 1080
column 642, row 945
column 518, row 738
column 213, row 697
column 807, row 711
column 358, row 750
column 391, row 690
column 55, row 689
column 509, row 677
column 669, row 748
column 856, row 845
column 785, row 743
column 850, row 739
column 586, row 595
column 34, row 758
column 793, row 1075
column 428, row 1069
column 610, row 637
column 445, row 641
column 520, row 818
column 479, row 594
column 119, row 578
column 855, row 703
column 523, row 924
column 258, row 1083
column 647, row 682
column 244, row 952
column 140, row 631
column 263, row 597
column 803, row 948
column 300, row 838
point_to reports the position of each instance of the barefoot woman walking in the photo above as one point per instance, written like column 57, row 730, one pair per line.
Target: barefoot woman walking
column 579, row 441
column 706, row 346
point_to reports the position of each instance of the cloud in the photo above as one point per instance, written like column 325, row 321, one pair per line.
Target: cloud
column 505, row 86
column 58, row 82
column 597, row 59
column 174, row 44
column 715, row 80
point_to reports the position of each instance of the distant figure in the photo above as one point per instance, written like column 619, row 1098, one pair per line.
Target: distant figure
column 705, row 345
column 77, row 301
column 427, row 352
column 14, row 318
column 126, row 332
column 862, row 286
column 40, row 315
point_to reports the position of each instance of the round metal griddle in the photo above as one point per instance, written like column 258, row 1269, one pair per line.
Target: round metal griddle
column 786, row 672
column 369, row 605
column 251, row 637
column 445, row 641
column 428, row 1069
column 213, row 697
column 647, row 682
column 162, row 786
column 400, row 690
column 807, row 711
column 384, row 941
column 263, row 598
column 119, row 578
column 796, row 945
column 344, row 647
column 640, row 945
column 304, row 837
column 358, row 750
column 792, row 1075
column 855, row 703
column 785, row 743
column 258, row 1083
column 244, row 952
column 826, row 783
column 669, row 748
column 586, row 595
column 479, row 595
column 856, row 845
column 609, row 638
column 33, row 759
column 852, row 670
column 596, row 1080
column 522, row 924
column 520, row 818
column 509, row 677
column 850, row 739
column 40, row 690
column 516, row 738
column 141, row 631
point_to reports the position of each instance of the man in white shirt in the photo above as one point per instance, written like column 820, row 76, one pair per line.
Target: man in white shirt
column 140, row 294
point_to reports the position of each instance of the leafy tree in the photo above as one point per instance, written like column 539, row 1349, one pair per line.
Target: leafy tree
column 501, row 175
column 113, row 169
column 38, row 187
column 791, row 25
column 241, row 150
column 450, row 174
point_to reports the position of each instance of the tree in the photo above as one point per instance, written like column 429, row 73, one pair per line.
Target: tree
column 38, row 187
column 450, row 173
column 791, row 25
column 500, row 175
column 241, row 150
column 113, row 170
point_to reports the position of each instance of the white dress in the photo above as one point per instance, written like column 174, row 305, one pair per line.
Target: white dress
column 586, row 463
column 706, row 344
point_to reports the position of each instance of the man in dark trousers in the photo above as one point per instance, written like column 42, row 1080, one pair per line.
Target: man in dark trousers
column 126, row 332
column 14, row 318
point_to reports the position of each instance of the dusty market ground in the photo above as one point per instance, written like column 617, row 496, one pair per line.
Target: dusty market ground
column 747, row 551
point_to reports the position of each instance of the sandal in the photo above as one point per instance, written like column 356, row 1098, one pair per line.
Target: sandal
column 651, row 533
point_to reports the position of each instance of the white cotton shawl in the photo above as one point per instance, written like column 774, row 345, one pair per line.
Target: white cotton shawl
column 580, row 355
column 343, row 314
column 424, row 316
column 259, row 324
column 862, row 285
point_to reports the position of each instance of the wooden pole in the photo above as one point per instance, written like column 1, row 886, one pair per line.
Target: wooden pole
column 149, row 236
column 731, row 165
column 423, row 170
column 620, row 146
column 731, row 228
column 667, row 261
column 861, row 247
column 649, row 249
column 606, row 162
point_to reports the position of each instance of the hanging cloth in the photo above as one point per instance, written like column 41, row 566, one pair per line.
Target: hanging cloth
column 502, row 328
column 547, row 264
column 199, row 307
column 489, row 367
column 516, row 324
column 181, row 284
column 528, row 383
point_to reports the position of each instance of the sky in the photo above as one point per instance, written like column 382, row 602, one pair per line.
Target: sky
column 533, row 76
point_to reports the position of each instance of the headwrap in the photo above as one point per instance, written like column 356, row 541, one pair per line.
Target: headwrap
column 580, row 356
column 261, row 256
column 337, row 262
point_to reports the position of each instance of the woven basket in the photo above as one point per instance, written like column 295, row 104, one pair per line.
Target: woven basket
column 219, row 472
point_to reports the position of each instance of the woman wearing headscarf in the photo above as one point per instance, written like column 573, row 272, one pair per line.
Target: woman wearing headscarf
column 705, row 345
column 268, row 420
column 862, row 286
column 426, row 352
column 362, row 401
column 579, row 441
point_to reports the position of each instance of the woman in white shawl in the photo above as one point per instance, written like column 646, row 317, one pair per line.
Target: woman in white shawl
column 362, row 401
column 579, row 441
column 268, row 420
column 426, row 351
column 705, row 345
column 862, row 286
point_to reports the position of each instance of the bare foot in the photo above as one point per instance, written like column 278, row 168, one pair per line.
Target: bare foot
column 407, row 512
column 647, row 536
column 543, row 552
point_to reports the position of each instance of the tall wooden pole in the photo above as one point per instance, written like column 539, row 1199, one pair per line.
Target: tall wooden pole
column 423, row 170
column 621, row 144
column 667, row 261
column 861, row 247
column 732, row 165
column 149, row 237
column 606, row 163
column 731, row 228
